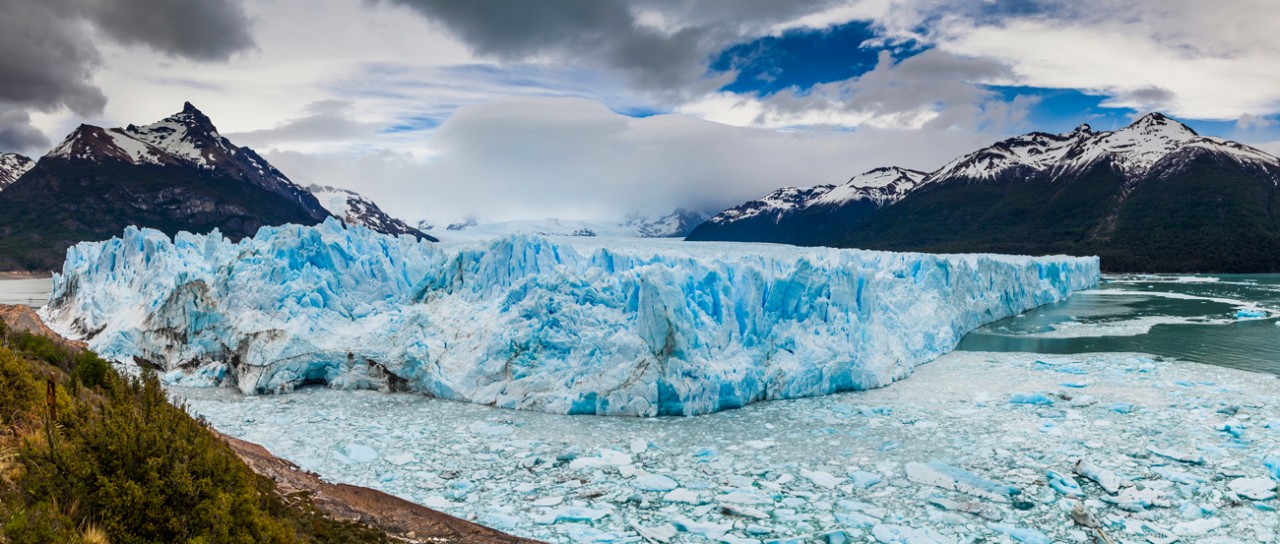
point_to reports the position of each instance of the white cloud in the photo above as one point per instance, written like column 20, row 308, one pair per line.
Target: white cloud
column 1191, row 59
column 573, row 158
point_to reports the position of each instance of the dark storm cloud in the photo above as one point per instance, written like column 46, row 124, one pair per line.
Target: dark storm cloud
column 17, row 134
column 48, row 58
column 46, row 61
column 207, row 30
column 610, row 33
column 605, row 32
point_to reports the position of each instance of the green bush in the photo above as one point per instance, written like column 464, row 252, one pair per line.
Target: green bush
column 89, row 369
column 127, row 461
column 19, row 391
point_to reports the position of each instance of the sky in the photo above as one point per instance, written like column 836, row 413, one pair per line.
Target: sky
column 592, row 109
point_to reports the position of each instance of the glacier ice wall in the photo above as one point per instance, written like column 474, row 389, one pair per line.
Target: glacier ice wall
column 638, row 328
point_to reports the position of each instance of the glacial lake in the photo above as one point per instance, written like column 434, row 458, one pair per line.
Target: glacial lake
column 1193, row 318
column 1227, row 320
column 27, row 291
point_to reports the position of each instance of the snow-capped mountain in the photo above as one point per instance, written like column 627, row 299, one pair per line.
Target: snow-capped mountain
column 808, row 209
column 1134, row 150
column 12, row 167
column 185, row 139
column 1152, row 196
column 178, row 174
column 676, row 224
column 354, row 209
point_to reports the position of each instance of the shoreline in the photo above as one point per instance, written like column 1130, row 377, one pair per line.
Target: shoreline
column 810, row 468
column 24, row 275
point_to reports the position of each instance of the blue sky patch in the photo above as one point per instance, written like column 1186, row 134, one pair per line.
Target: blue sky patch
column 801, row 58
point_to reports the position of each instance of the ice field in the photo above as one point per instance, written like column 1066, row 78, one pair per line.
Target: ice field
column 974, row 447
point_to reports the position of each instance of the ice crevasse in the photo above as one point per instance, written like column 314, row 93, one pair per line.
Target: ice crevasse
column 635, row 328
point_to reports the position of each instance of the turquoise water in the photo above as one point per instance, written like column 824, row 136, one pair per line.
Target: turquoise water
column 1228, row 320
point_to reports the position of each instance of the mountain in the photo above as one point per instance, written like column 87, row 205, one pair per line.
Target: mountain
column 176, row 174
column 12, row 167
column 1154, row 196
column 676, row 224
column 810, row 215
column 354, row 209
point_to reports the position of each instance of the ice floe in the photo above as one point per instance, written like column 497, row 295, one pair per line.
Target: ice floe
column 934, row 458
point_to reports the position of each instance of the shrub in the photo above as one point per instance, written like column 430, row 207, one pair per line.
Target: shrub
column 19, row 391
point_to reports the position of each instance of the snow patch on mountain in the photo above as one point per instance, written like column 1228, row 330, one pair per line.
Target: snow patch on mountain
column 880, row 186
column 1135, row 150
column 626, row 328
column 676, row 224
column 354, row 209
column 12, row 167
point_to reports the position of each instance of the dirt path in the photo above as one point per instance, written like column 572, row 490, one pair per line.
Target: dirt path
column 399, row 518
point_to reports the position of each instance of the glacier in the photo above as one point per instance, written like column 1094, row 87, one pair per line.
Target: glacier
column 611, row 327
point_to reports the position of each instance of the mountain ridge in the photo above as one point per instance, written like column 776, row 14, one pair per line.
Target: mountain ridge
column 177, row 174
column 1153, row 196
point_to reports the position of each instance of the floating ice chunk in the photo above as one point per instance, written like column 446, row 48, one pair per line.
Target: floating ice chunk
column 1250, row 313
column 939, row 474
column 568, row 514
column 863, row 479
column 821, row 478
column 359, row 453
column 743, row 511
column 639, row 446
column 549, row 501
column 1026, row 536
column 684, row 496
column 661, row 533
column 980, row 509
column 713, row 531
column 742, row 496
column 400, row 459
column 1272, row 462
column 1064, row 484
column 654, row 482
column 1258, row 489
column 1039, row 399
column 604, row 457
column 1177, row 476
column 1137, row 500
column 901, row 534
column 1101, row 476
column 1197, row 527
column 1178, row 455
column 1121, row 407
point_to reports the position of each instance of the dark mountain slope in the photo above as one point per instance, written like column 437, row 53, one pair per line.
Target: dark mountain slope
column 177, row 174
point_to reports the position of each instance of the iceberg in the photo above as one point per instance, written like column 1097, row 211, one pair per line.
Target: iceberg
column 638, row 328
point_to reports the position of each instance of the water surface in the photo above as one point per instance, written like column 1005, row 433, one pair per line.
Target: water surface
column 28, row 291
column 1228, row 320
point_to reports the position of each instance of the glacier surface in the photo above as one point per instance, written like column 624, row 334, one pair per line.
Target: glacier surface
column 635, row 328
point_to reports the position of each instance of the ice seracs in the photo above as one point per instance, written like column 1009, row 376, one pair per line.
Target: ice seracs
column 644, row 328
